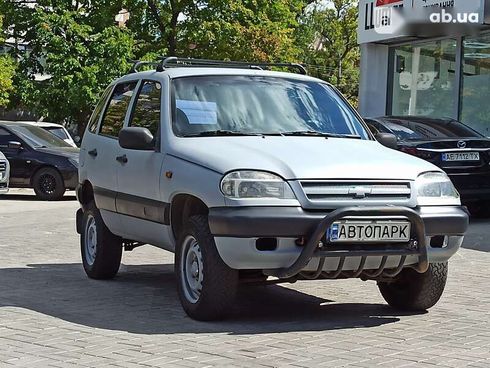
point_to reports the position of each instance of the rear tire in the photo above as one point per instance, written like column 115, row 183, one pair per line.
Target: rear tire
column 413, row 291
column 48, row 184
column 101, row 249
column 206, row 285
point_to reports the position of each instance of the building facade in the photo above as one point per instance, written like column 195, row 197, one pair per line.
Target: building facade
column 426, row 58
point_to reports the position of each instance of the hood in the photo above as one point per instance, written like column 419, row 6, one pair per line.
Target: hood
column 68, row 152
column 302, row 157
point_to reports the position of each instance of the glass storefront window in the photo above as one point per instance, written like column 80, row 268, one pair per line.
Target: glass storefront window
column 424, row 79
column 475, row 91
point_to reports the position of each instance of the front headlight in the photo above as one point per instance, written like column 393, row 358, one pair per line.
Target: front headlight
column 435, row 188
column 255, row 184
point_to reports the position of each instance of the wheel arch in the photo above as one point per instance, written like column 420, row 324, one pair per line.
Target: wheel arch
column 182, row 207
column 85, row 193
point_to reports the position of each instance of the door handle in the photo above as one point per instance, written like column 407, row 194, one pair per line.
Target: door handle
column 122, row 159
column 93, row 152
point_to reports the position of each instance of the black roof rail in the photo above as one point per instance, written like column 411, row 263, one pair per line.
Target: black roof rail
column 173, row 61
column 138, row 63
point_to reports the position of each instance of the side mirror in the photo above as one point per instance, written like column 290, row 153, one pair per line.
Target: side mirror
column 14, row 145
column 136, row 138
column 387, row 139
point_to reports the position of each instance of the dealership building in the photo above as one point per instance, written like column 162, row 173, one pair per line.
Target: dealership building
column 426, row 58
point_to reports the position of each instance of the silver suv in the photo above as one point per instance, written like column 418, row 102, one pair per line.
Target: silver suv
column 252, row 175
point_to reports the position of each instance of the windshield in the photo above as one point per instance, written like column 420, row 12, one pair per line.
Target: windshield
column 38, row 137
column 59, row 132
column 249, row 105
column 429, row 130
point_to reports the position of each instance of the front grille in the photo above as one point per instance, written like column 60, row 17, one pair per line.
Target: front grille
column 358, row 191
column 3, row 166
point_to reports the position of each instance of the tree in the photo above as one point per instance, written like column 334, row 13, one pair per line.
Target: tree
column 244, row 30
column 7, row 69
column 75, row 56
column 331, row 36
column 234, row 29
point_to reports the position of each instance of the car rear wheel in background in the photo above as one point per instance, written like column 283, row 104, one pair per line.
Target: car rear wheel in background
column 48, row 184
column 206, row 285
column 101, row 249
column 413, row 291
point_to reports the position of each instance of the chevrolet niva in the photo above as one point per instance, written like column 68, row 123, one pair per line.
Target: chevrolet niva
column 253, row 175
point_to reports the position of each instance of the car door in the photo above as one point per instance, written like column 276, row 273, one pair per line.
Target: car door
column 102, row 151
column 138, row 175
column 18, row 157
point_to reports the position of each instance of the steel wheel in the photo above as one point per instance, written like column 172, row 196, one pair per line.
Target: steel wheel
column 101, row 250
column 192, row 269
column 90, row 240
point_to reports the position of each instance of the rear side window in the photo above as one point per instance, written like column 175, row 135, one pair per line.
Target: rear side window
column 115, row 113
column 146, row 112
column 5, row 138
column 94, row 119
column 59, row 132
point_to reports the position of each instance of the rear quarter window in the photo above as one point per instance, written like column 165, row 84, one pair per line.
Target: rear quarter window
column 94, row 119
column 116, row 110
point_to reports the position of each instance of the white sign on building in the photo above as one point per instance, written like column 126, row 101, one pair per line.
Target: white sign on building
column 382, row 20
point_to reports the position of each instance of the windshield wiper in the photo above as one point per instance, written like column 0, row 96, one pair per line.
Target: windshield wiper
column 314, row 133
column 217, row 133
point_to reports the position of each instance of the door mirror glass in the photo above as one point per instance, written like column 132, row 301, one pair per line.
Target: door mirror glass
column 387, row 139
column 136, row 138
column 14, row 145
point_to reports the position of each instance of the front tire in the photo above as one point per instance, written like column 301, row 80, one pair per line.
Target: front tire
column 413, row 291
column 48, row 184
column 101, row 249
column 206, row 285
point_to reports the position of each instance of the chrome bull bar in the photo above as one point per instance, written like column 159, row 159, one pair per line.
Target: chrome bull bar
column 313, row 248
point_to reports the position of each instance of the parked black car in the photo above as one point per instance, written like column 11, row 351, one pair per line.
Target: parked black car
column 455, row 147
column 39, row 160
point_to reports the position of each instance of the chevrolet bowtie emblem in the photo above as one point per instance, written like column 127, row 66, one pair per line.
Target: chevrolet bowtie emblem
column 360, row 192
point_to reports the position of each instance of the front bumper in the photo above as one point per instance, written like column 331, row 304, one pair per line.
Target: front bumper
column 237, row 229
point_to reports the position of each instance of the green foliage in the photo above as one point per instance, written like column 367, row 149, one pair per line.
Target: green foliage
column 333, row 54
column 7, row 69
column 77, row 58
column 244, row 30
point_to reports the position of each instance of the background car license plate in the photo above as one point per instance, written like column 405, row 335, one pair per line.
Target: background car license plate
column 461, row 156
column 369, row 231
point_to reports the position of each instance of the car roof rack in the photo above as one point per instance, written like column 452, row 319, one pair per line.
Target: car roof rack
column 178, row 62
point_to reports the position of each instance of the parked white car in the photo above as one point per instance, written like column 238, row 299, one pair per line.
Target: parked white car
column 56, row 129
column 248, row 173
column 4, row 174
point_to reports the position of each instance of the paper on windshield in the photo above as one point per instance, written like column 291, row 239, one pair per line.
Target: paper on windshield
column 199, row 112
